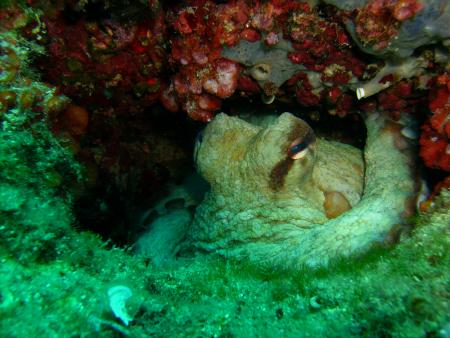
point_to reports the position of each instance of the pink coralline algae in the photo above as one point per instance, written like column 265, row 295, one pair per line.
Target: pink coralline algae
column 202, row 76
column 434, row 141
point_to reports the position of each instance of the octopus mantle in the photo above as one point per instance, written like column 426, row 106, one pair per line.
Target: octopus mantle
column 282, row 198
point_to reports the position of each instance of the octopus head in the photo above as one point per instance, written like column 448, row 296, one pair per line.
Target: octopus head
column 275, row 157
column 288, row 147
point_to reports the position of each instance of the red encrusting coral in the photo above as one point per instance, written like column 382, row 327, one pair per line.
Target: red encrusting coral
column 106, row 63
column 109, row 63
column 434, row 141
column 323, row 47
column 378, row 22
column 204, row 29
column 202, row 75
column 400, row 99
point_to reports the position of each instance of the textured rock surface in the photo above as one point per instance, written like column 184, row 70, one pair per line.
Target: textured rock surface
column 275, row 58
column 266, row 207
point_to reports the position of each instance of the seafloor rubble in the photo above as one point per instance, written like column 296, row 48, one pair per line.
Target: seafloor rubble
column 100, row 103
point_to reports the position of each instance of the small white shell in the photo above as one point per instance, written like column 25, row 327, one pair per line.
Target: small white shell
column 118, row 295
column 267, row 99
column 423, row 193
column 261, row 71
column 360, row 92
column 314, row 303
column 409, row 133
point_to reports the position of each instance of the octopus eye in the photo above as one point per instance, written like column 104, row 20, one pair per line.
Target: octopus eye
column 300, row 147
column 298, row 150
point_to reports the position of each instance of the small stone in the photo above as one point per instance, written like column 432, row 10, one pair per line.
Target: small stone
column 314, row 303
column 279, row 313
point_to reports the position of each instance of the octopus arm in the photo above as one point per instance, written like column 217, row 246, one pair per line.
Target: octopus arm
column 388, row 188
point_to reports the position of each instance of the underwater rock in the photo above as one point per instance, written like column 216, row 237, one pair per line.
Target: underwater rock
column 269, row 65
column 275, row 191
column 396, row 28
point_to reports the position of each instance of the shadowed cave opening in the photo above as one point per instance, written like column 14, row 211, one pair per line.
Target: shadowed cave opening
column 122, row 203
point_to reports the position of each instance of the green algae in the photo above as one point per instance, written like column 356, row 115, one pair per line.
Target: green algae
column 401, row 292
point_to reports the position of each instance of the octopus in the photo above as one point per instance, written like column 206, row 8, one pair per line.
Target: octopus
column 280, row 197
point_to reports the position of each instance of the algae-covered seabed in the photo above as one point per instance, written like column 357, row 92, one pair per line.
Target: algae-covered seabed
column 55, row 278
column 62, row 290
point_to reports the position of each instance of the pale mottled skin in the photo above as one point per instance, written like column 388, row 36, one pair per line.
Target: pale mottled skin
column 269, row 209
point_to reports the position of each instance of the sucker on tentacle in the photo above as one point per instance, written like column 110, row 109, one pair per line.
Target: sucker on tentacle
column 283, row 199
